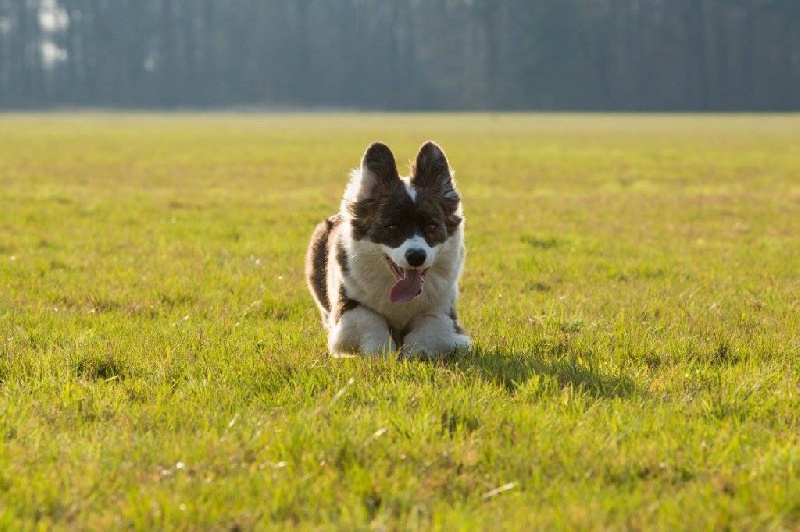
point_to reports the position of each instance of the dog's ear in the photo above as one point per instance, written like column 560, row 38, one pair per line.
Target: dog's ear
column 431, row 171
column 378, row 172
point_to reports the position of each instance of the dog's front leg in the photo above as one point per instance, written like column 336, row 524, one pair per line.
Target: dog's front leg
column 434, row 334
column 360, row 330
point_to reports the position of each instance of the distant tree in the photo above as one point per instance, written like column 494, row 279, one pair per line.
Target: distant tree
column 404, row 54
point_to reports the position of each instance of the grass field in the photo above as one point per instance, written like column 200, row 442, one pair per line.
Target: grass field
column 632, row 288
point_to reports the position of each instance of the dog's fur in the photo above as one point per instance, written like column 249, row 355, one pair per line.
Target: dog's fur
column 366, row 264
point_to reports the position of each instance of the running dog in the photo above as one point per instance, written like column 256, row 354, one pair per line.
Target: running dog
column 384, row 271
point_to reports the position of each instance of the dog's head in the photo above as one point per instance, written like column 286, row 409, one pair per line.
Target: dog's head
column 406, row 219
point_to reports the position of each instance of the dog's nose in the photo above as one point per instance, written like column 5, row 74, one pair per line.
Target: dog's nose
column 415, row 257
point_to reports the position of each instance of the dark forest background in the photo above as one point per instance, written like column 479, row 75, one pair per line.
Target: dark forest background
column 630, row 55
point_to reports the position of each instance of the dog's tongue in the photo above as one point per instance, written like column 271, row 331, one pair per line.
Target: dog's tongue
column 407, row 287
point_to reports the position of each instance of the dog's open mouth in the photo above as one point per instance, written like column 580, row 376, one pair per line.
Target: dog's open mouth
column 407, row 282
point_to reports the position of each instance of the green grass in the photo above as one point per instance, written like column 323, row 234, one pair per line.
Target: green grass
column 632, row 287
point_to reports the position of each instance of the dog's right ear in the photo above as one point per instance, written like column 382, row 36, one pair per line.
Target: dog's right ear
column 378, row 171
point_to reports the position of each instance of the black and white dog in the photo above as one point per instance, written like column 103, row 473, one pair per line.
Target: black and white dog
column 384, row 271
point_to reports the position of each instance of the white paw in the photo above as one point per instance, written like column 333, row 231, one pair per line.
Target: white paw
column 422, row 347
column 461, row 343
column 360, row 331
column 375, row 347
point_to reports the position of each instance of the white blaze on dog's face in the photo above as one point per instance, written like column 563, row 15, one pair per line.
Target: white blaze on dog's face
column 407, row 220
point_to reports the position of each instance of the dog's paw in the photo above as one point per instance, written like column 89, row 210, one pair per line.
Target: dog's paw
column 375, row 347
column 367, row 347
column 426, row 348
column 433, row 335
column 361, row 331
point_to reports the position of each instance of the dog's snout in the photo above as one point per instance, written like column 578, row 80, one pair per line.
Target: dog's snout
column 415, row 257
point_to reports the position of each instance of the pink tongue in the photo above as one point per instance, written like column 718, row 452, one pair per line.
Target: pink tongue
column 406, row 288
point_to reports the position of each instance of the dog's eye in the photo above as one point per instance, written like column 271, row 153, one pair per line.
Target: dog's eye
column 433, row 226
column 392, row 228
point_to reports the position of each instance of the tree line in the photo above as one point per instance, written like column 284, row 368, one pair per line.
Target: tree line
column 629, row 55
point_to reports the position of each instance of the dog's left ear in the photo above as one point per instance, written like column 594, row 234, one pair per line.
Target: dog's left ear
column 431, row 171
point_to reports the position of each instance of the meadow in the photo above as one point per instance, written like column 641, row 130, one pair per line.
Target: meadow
column 632, row 288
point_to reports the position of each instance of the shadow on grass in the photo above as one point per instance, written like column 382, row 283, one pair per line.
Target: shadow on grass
column 511, row 369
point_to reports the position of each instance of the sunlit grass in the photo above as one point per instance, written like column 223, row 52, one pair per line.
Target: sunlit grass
column 632, row 287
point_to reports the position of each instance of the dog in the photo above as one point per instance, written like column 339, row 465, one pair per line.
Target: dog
column 384, row 271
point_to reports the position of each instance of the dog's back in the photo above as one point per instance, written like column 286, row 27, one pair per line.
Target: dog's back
column 317, row 264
